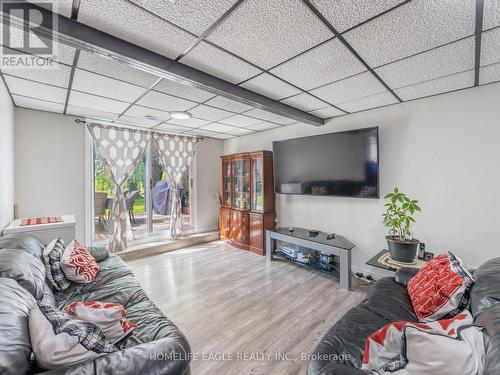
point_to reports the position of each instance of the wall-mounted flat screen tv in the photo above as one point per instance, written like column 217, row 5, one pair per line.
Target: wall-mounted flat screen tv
column 343, row 164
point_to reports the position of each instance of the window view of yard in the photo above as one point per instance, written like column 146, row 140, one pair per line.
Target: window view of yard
column 136, row 197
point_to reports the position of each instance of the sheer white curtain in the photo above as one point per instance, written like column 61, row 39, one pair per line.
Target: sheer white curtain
column 176, row 154
column 120, row 151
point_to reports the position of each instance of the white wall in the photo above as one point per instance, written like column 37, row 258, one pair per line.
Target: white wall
column 443, row 151
column 209, row 183
column 6, row 157
column 49, row 162
column 50, row 165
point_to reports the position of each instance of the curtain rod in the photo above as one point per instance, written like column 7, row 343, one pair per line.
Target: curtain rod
column 132, row 127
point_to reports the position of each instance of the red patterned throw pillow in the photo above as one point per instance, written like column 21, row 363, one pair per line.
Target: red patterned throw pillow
column 441, row 289
column 444, row 347
column 78, row 264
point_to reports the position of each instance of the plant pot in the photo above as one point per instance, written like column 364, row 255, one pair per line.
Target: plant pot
column 402, row 251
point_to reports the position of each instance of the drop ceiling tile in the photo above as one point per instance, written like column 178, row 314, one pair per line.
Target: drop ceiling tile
column 136, row 25
column 216, row 62
column 114, row 69
column 84, row 100
column 241, row 131
column 327, row 112
column 62, row 7
column 324, row 64
column 138, row 121
column 35, row 90
column 263, row 126
column 141, row 112
column 189, row 123
column 270, row 86
column 200, row 132
column 41, row 105
column 437, row 86
column 90, row 113
column 108, row 87
column 173, row 128
column 217, row 127
column 60, row 52
column 348, row 89
column 267, row 32
column 221, row 136
column 491, row 17
column 181, row 90
column 210, row 113
column 446, row 60
column 412, row 28
column 164, row 102
column 490, row 73
column 344, row 14
column 368, row 102
column 240, row 121
column 228, row 104
column 58, row 75
column 490, row 47
column 304, row 101
column 194, row 16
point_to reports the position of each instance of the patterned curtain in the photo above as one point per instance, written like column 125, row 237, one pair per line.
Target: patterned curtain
column 176, row 153
column 120, row 151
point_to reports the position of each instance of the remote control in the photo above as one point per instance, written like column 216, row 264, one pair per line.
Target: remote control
column 313, row 233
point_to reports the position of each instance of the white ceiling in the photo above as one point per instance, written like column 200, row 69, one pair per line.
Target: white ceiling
column 389, row 50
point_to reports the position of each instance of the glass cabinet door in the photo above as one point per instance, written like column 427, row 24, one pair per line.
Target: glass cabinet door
column 257, row 185
column 241, row 183
column 226, row 183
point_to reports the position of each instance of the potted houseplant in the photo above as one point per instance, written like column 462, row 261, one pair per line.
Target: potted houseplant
column 399, row 219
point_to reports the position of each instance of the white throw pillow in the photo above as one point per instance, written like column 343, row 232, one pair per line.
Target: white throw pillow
column 438, row 348
column 59, row 340
column 109, row 317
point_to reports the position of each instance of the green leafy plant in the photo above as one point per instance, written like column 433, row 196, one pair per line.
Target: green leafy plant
column 399, row 214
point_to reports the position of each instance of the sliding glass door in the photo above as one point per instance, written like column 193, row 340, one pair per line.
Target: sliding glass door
column 147, row 196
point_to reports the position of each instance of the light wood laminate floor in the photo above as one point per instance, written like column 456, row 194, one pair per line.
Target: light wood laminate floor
column 233, row 303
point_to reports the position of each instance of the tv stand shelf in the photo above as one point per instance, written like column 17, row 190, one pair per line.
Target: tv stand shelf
column 338, row 246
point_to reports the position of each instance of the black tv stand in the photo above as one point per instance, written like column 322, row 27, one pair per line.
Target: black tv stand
column 337, row 245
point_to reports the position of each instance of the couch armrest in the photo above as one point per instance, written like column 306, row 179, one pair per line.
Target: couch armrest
column 403, row 275
column 150, row 358
column 334, row 368
column 99, row 253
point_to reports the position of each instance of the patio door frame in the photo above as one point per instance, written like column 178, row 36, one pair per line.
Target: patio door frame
column 149, row 235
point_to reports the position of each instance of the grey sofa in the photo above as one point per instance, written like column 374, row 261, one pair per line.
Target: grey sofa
column 340, row 350
column 157, row 346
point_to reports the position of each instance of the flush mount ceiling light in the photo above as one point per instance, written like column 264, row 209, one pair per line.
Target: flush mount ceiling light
column 180, row 115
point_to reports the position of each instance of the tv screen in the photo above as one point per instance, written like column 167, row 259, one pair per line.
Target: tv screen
column 341, row 164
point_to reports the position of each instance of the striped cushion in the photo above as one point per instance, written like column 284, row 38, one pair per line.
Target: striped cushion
column 52, row 256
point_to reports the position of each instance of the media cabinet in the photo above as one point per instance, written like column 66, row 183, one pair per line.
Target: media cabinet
column 338, row 246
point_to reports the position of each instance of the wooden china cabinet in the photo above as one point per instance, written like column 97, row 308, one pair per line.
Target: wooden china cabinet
column 247, row 199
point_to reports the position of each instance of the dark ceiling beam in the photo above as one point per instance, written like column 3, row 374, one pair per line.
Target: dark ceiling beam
column 75, row 8
column 87, row 38
column 349, row 47
column 478, row 38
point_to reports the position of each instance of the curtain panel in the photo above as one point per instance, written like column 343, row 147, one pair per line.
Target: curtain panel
column 120, row 150
column 176, row 154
